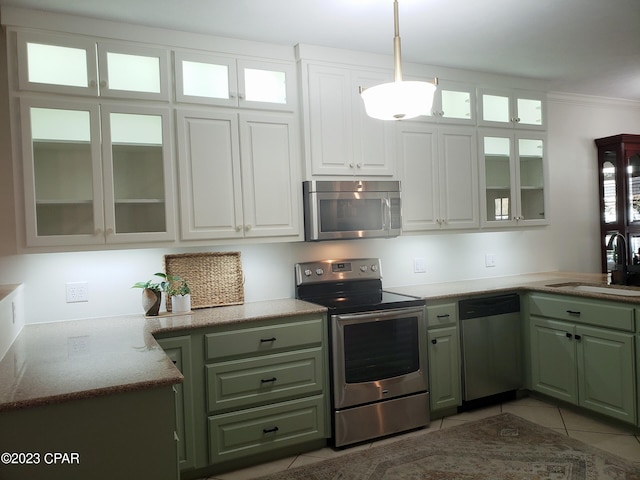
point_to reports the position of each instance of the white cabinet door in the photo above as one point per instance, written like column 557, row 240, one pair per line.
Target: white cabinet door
column 453, row 103
column 458, row 177
column 512, row 108
column 418, row 170
column 270, row 175
column 439, row 177
column 330, row 121
column 343, row 140
column 209, row 173
column 238, row 175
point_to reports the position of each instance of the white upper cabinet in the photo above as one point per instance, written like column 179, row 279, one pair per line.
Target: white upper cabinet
column 513, row 178
column 79, row 66
column 438, row 170
column 340, row 138
column 238, row 175
column 77, row 193
column 518, row 109
column 227, row 81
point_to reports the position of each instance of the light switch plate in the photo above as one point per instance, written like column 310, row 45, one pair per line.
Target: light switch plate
column 419, row 265
column 489, row 260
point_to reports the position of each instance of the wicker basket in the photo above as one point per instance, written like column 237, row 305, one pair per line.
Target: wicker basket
column 215, row 279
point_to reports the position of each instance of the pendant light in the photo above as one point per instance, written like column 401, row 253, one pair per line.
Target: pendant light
column 398, row 99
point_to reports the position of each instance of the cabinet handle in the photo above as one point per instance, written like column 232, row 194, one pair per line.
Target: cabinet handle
column 573, row 312
column 578, row 337
column 568, row 335
column 434, row 341
column 266, row 340
column 445, row 315
column 268, row 380
column 270, row 430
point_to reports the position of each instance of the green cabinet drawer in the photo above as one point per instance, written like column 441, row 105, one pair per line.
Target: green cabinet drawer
column 262, row 429
column 441, row 315
column 264, row 379
column 590, row 312
column 264, row 339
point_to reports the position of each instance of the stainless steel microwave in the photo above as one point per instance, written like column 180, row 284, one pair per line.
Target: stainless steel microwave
column 336, row 210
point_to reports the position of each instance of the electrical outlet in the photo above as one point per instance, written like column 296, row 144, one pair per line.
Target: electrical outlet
column 419, row 265
column 77, row 292
column 489, row 260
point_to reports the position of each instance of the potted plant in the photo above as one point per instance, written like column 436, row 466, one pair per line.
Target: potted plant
column 152, row 294
column 180, row 293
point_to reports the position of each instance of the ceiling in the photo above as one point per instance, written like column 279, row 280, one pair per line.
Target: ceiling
column 581, row 46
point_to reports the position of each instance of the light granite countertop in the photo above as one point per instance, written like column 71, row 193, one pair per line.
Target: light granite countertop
column 528, row 282
column 59, row 361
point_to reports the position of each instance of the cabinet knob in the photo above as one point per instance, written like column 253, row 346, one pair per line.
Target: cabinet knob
column 434, row 341
column 568, row 335
column 103, row 83
column 93, row 83
column 98, row 232
column 359, row 165
column 247, row 228
column 351, row 165
column 238, row 228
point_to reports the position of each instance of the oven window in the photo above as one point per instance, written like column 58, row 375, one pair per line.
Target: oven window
column 383, row 349
column 340, row 215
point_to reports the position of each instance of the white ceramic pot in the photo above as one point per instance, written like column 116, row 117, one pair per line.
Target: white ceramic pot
column 181, row 303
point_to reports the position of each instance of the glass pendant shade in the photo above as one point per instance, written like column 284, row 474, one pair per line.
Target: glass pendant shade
column 398, row 100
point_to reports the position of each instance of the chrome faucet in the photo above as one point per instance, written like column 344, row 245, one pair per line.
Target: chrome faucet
column 619, row 276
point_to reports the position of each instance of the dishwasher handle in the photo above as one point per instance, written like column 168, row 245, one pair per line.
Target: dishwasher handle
column 488, row 306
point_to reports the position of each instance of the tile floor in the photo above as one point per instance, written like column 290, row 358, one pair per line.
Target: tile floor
column 609, row 437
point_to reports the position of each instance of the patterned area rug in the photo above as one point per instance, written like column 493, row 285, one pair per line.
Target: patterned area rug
column 504, row 447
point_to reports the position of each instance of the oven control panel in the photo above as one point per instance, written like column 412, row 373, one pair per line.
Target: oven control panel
column 338, row 270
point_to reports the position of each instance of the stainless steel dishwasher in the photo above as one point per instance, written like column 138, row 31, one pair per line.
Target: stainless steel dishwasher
column 491, row 345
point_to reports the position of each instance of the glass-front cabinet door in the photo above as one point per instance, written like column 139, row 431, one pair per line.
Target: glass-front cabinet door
column 137, row 172
column 234, row 82
column 518, row 109
column 71, row 64
column 513, row 179
column 40, row 57
column 454, row 103
column 62, row 172
column 78, row 194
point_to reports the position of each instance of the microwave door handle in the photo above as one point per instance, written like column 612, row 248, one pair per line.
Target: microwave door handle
column 386, row 214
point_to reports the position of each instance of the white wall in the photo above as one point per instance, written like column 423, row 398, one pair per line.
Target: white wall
column 570, row 243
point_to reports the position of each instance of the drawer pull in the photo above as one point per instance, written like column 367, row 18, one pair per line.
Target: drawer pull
column 573, row 312
column 445, row 315
column 270, row 430
column 267, row 340
column 268, row 380
column 568, row 335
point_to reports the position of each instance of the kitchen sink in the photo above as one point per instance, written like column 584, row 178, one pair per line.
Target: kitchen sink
column 594, row 288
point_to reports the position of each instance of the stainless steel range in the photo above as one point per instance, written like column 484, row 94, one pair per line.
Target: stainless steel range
column 378, row 359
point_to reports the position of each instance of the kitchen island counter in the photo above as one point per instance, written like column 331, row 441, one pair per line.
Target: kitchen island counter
column 59, row 361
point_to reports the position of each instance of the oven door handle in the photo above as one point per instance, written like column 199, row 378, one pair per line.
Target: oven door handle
column 377, row 315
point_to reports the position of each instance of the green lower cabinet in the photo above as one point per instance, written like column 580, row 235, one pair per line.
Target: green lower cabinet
column 262, row 429
column 444, row 367
column 178, row 349
column 587, row 366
